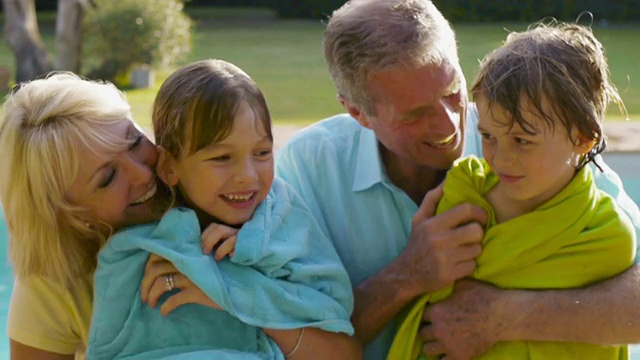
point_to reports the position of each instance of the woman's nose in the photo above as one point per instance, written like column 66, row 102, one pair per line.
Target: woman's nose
column 138, row 170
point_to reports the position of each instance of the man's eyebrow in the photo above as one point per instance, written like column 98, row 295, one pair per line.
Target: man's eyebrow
column 413, row 113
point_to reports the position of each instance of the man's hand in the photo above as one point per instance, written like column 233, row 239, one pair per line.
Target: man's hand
column 466, row 324
column 442, row 248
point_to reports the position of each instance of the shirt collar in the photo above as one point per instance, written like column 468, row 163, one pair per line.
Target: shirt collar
column 369, row 170
column 369, row 167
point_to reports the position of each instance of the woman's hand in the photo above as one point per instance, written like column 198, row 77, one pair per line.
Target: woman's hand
column 220, row 238
column 161, row 276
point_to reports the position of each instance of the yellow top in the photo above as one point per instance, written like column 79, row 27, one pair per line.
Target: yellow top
column 45, row 316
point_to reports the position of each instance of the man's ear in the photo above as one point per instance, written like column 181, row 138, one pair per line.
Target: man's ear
column 355, row 112
column 166, row 167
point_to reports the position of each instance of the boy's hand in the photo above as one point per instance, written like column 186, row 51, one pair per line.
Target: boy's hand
column 220, row 238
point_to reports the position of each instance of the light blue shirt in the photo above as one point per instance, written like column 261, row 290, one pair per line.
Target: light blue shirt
column 336, row 167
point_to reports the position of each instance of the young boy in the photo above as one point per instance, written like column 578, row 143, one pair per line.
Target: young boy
column 541, row 100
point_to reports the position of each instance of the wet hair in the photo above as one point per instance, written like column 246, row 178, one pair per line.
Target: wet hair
column 367, row 36
column 197, row 105
column 46, row 126
column 558, row 64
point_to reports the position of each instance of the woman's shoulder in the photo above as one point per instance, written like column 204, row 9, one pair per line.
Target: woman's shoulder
column 46, row 315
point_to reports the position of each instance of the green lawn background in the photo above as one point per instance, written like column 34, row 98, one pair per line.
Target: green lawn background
column 285, row 59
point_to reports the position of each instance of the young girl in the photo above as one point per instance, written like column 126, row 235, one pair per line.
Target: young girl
column 541, row 100
column 281, row 276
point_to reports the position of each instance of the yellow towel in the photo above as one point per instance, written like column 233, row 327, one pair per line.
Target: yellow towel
column 576, row 238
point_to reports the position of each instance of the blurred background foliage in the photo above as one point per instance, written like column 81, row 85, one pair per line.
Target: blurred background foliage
column 285, row 58
column 119, row 35
column 454, row 10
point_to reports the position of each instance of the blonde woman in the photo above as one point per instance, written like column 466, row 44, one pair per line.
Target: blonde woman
column 75, row 168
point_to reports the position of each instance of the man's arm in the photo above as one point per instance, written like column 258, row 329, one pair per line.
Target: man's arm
column 441, row 250
column 606, row 313
column 478, row 315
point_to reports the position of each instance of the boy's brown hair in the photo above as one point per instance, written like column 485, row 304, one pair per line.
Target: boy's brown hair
column 561, row 64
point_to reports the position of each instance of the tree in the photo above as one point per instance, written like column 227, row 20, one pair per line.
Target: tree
column 22, row 34
column 127, row 33
column 69, row 34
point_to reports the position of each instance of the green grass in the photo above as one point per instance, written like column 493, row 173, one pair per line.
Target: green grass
column 475, row 41
column 285, row 59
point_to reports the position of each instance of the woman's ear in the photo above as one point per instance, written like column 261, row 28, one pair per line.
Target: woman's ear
column 166, row 167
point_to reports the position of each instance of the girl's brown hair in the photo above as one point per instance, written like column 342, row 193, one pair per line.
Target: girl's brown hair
column 197, row 105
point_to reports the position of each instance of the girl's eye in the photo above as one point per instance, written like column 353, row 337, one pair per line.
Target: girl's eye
column 522, row 141
column 108, row 180
column 264, row 153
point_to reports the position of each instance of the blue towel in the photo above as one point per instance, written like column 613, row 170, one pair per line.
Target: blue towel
column 284, row 274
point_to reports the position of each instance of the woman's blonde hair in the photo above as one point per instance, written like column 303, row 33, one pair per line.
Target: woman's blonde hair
column 45, row 127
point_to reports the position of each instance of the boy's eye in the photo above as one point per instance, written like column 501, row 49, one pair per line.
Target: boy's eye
column 522, row 141
column 486, row 136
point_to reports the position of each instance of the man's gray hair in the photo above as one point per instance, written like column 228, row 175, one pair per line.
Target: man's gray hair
column 367, row 36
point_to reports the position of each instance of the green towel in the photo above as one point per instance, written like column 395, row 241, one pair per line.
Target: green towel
column 574, row 239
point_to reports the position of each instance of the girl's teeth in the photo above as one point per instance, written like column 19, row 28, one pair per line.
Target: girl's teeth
column 238, row 197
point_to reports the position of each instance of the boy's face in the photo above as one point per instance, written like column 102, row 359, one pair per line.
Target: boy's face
column 227, row 180
column 532, row 167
